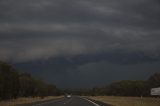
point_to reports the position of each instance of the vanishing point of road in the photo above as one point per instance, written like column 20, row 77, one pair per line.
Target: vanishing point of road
column 73, row 101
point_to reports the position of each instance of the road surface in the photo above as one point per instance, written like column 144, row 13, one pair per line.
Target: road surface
column 73, row 101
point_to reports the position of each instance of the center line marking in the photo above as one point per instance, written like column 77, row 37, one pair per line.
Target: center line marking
column 48, row 102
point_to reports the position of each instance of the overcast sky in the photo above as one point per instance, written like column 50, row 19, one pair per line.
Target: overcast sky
column 81, row 43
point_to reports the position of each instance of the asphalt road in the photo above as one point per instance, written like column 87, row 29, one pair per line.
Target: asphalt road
column 73, row 101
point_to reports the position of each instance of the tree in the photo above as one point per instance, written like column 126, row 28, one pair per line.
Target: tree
column 52, row 90
column 128, row 88
column 27, row 85
column 41, row 88
column 154, row 80
column 13, row 84
column 9, row 81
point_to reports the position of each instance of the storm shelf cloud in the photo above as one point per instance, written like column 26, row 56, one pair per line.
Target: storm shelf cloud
column 78, row 33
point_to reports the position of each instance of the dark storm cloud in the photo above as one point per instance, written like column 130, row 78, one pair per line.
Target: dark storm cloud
column 40, row 29
column 81, row 35
column 90, row 74
column 85, row 11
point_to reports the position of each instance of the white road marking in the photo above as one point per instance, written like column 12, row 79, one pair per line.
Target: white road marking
column 68, row 101
column 91, row 102
column 47, row 102
column 65, row 102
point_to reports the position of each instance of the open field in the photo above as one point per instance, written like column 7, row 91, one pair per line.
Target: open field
column 128, row 101
column 19, row 101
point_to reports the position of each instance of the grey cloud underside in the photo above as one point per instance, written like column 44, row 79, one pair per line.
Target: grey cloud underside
column 92, row 42
column 43, row 29
column 90, row 74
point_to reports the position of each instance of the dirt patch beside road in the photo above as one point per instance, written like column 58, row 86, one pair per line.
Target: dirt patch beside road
column 127, row 101
column 20, row 101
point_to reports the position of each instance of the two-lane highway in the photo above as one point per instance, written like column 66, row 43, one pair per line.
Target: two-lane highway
column 73, row 101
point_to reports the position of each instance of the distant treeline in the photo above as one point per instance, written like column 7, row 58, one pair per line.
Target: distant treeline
column 14, row 84
column 123, row 88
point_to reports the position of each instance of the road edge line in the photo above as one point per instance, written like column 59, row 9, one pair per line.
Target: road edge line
column 52, row 101
column 91, row 102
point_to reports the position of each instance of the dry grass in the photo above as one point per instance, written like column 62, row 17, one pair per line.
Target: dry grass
column 128, row 101
column 19, row 101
